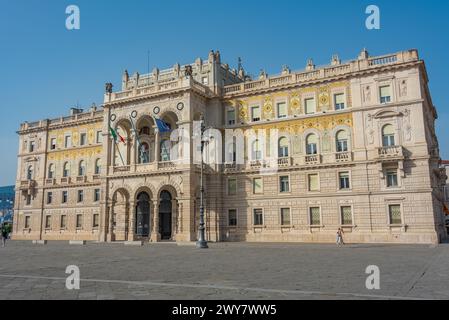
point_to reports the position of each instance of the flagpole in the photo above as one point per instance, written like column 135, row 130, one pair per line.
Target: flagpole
column 116, row 145
column 142, row 157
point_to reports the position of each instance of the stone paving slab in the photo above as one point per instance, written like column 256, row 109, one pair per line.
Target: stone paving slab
column 226, row 271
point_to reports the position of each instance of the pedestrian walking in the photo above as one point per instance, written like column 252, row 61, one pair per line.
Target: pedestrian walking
column 340, row 233
column 4, row 233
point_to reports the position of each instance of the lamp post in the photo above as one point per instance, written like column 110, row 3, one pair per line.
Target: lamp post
column 202, row 243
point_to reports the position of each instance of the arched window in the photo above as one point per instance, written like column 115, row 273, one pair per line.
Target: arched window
column 30, row 173
column 231, row 153
column 98, row 166
column 51, row 171
column 256, row 153
column 283, row 147
column 82, row 169
column 66, row 170
column 388, row 136
column 145, row 131
column 312, row 144
column 144, row 153
column 165, row 150
column 342, row 141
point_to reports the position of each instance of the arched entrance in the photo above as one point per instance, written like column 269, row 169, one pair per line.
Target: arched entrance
column 165, row 215
column 119, row 216
column 142, row 227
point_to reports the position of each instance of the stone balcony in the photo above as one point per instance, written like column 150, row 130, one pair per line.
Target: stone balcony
column 26, row 185
column 50, row 182
column 343, row 156
column 390, row 152
column 285, row 162
column 311, row 159
column 66, row 180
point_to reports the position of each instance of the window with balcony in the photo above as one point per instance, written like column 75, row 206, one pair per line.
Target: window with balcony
column 144, row 153
column 310, row 106
column 339, row 100
column 392, row 178
column 256, row 152
column 258, row 217
column 344, row 180
column 284, row 184
column 385, row 94
column 232, row 186
column 232, row 217
column 388, row 139
column 66, row 170
column 285, row 217
column 98, row 166
column 255, row 114
column 394, row 213
column 51, row 171
column 231, row 153
column 315, row 216
column 342, row 141
column 313, row 182
column 283, row 148
column 28, row 200
column 230, row 116
column 165, row 150
column 82, row 169
column 257, row 185
column 312, row 144
column 282, row 110
column 346, row 215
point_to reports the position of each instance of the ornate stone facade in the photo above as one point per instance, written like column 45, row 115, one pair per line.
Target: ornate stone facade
column 357, row 150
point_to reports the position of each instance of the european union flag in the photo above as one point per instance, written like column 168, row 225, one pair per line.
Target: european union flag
column 162, row 126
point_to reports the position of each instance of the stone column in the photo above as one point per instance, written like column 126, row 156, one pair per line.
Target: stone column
column 131, row 221
column 110, row 227
column 155, row 234
column 157, row 146
column 174, row 219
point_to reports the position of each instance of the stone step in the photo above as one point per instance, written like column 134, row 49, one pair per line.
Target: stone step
column 40, row 242
column 134, row 243
column 77, row 242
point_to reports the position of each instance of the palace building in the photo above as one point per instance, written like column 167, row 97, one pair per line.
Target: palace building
column 356, row 150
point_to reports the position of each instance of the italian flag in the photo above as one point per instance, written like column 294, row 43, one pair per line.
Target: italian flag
column 116, row 135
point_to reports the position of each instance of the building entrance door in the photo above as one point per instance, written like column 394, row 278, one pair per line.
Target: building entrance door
column 143, row 215
column 165, row 215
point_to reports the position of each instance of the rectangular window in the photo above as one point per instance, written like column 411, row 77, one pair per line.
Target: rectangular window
column 282, row 110
column 63, row 221
column 232, row 216
column 284, row 184
column 53, row 144
column 96, row 220
column 315, row 219
column 27, row 222
column 392, row 178
column 385, row 94
column 205, row 81
column 47, row 222
column 28, row 200
column 232, row 186
column 68, row 141
column 314, row 184
column 310, row 106
column 79, row 221
column 32, row 146
column 80, row 195
column 344, row 180
column 285, row 216
column 257, row 185
column 99, row 137
column 83, row 139
column 96, row 195
column 346, row 215
column 255, row 113
column 395, row 214
column 64, row 197
column 49, row 197
column 258, row 217
column 339, row 100
column 231, row 117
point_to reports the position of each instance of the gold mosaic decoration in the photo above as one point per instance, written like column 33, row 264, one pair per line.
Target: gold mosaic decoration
column 87, row 152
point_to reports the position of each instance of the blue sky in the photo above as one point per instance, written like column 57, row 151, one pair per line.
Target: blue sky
column 46, row 69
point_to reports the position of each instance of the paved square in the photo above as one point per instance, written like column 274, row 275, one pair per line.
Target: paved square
column 225, row 271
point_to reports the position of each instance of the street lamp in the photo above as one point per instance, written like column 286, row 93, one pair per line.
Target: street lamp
column 202, row 243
